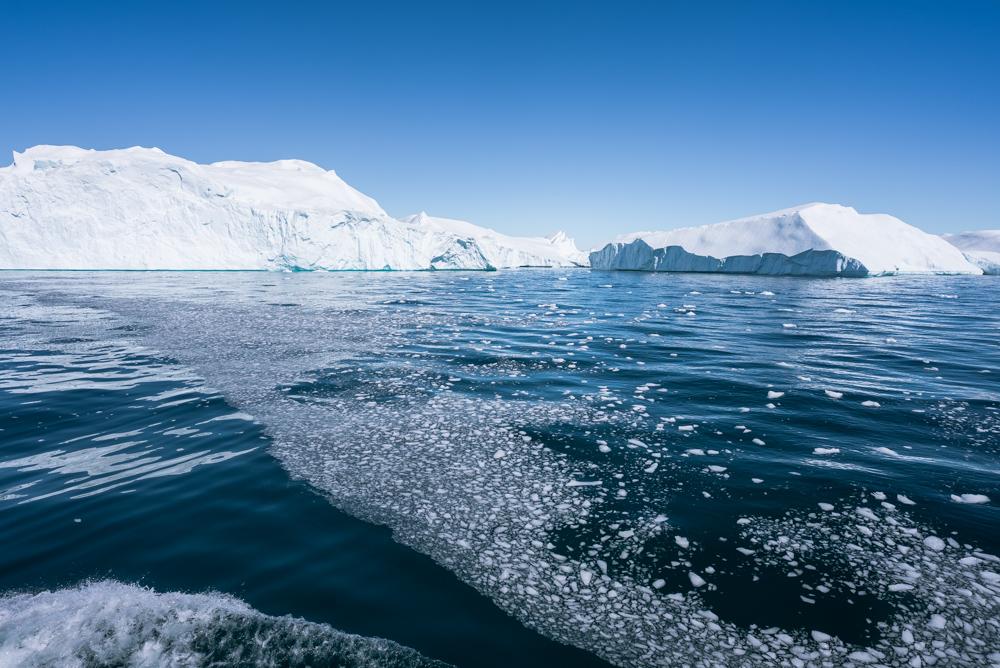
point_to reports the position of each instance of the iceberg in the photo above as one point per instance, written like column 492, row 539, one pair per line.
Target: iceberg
column 981, row 248
column 810, row 240
column 63, row 207
column 505, row 251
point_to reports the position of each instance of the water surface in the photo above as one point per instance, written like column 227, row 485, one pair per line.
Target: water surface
column 653, row 468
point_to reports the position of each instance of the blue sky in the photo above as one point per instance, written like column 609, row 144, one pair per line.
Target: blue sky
column 529, row 117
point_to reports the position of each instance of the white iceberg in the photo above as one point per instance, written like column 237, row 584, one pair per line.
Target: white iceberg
column 62, row 207
column 982, row 248
column 505, row 251
column 810, row 240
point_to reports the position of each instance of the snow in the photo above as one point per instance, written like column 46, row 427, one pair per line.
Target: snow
column 814, row 239
column 63, row 207
column 982, row 248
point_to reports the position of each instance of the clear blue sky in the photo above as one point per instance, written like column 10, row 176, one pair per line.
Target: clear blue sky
column 595, row 118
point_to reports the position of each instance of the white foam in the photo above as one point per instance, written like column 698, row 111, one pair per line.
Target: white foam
column 108, row 623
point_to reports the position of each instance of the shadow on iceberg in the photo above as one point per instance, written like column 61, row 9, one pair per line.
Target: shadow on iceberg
column 640, row 256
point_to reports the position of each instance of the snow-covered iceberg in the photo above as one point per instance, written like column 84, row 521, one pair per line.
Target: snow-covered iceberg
column 63, row 207
column 504, row 251
column 810, row 240
column 982, row 248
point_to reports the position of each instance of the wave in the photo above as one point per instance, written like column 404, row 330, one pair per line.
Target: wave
column 109, row 623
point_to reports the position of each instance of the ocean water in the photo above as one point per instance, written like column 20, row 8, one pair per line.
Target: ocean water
column 535, row 467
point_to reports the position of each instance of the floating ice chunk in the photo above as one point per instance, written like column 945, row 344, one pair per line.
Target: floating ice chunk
column 819, row 636
column 789, row 325
column 862, row 657
column 758, row 441
column 934, row 543
column 825, row 506
column 871, row 404
column 773, row 394
column 833, row 394
column 970, row 498
column 586, row 576
column 867, row 513
column 900, row 586
column 695, row 451
column 886, row 451
column 937, row 622
column 659, row 584
column 696, row 579
column 499, row 454
column 905, row 500
column 826, row 451
column 682, row 541
column 584, row 483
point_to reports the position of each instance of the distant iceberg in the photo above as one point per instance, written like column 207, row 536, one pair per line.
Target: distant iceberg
column 982, row 248
column 63, row 207
column 505, row 251
column 810, row 240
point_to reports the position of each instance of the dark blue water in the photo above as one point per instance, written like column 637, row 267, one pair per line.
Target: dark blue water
column 521, row 468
